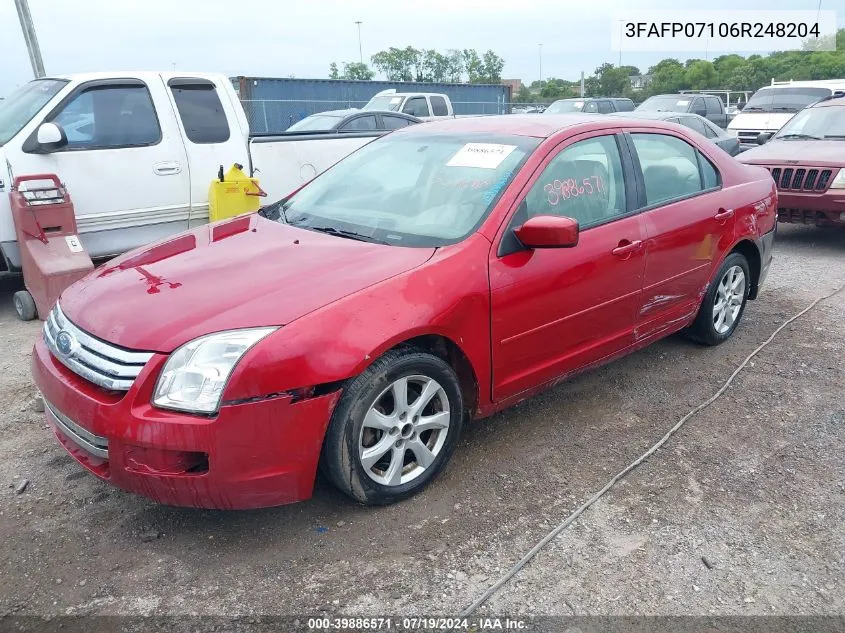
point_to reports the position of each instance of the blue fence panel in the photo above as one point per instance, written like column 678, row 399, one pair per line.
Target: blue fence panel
column 272, row 105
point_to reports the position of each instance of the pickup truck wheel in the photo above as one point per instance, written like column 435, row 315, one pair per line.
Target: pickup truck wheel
column 724, row 302
column 395, row 427
column 24, row 305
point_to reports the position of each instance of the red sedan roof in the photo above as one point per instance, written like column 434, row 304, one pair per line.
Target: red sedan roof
column 536, row 125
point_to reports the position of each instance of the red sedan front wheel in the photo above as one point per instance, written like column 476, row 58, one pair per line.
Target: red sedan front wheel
column 395, row 427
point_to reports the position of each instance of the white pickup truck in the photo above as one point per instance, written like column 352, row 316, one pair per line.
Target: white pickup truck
column 428, row 106
column 138, row 150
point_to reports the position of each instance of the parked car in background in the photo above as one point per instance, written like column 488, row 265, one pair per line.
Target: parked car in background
column 806, row 159
column 155, row 141
column 600, row 105
column 443, row 271
column 772, row 106
column 695, row 122
column 424, row 105
column 353, row 120
column 708, row 106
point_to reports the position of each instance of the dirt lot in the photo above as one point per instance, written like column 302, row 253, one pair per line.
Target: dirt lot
column 754, row 485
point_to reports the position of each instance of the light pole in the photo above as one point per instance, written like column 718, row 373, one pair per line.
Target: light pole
column 360, row 50
column 29, row 37
column 540, row 46
column 621, row 31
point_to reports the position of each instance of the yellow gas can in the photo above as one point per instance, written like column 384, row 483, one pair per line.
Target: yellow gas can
column 233, row 193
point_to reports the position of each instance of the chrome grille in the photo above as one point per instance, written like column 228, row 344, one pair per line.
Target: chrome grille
column 748, row 137
column 106, row 365
column 800, row 178
column 95, row 444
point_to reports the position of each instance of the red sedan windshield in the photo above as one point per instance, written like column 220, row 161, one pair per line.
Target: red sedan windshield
column 411, row 189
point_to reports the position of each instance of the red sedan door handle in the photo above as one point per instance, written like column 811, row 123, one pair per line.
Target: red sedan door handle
column 724, row 214
column 627, row 247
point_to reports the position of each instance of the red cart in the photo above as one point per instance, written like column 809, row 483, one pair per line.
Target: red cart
column 52, row 257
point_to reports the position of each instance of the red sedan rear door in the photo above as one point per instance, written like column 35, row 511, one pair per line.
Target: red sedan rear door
column 558, row 310
column 689, row 224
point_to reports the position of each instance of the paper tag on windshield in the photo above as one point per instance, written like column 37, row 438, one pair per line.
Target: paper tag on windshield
column 481, row 155
column 395, row 100
column 682, row 103
column 578, row 104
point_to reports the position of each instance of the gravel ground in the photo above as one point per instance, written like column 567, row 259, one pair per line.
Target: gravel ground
column 741, row 512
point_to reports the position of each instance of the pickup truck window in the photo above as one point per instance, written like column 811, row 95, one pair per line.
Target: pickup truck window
column 110, row 116
column 201, row 111
column 416, row 106
column 411, row 189
column 439, row 107
column 24, row 103
column 714, row 105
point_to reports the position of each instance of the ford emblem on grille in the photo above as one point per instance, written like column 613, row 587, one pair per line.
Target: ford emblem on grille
column 66, row 343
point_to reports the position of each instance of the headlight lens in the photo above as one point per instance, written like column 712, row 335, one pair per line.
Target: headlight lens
column 194, row 376
column 839, row 181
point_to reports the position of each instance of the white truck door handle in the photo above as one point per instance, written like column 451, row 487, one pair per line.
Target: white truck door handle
column 167, row 168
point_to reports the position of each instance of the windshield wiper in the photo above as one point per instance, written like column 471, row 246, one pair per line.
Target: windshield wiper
column 834, row 136
column 275, row 210
column 752, row 109
column 784, row 109
column 330, row 230
column 809, row 136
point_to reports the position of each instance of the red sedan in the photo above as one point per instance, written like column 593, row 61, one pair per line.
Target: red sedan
column 442, row 272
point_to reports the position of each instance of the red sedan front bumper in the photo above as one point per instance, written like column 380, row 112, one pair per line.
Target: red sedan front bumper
column 251, row 455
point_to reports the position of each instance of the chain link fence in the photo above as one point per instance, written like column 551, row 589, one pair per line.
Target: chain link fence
column 273, row 116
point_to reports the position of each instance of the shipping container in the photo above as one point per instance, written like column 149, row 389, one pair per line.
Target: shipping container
column 274, row 104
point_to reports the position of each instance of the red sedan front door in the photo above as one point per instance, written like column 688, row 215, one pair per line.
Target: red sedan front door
column 558, row 310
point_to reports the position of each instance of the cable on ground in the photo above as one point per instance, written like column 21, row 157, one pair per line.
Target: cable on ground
column 495, row 587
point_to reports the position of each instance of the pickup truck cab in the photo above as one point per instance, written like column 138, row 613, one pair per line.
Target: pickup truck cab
column 806, row 159
column 429, row 106
column 138, row 150
column 708, row 106
column 772, row 106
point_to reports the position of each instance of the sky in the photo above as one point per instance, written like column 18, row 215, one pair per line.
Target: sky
column 280, row 38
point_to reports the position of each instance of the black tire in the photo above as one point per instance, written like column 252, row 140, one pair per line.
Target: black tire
column 703, row 330
column 340, row 460
column 24, row 305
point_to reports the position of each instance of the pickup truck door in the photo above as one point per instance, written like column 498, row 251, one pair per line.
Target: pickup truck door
column 124, row 163
column 209, row 122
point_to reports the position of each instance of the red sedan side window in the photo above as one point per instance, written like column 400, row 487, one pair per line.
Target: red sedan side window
column 672, row 168
column 584, row 182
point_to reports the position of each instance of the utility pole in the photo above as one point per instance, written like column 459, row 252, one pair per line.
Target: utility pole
column 582, row 84
column 541, row 61
column 29, row 37
column 360, row 50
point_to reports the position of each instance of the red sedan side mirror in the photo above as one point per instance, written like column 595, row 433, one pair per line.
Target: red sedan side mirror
column 548, row 231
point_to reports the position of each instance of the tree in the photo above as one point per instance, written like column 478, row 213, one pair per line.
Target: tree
column 493, row 66
column 334, row 73
column 612, row 81
column 357, row 70
column 524, row 95
column 435, row 66
column 667, row 76
column 701, row 75
column 473, row 65
column 556, row 89
column 396, row 63
column 454, row 65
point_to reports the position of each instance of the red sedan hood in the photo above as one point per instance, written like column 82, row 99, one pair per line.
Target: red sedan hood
column 247, row 272
column 804, row 153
